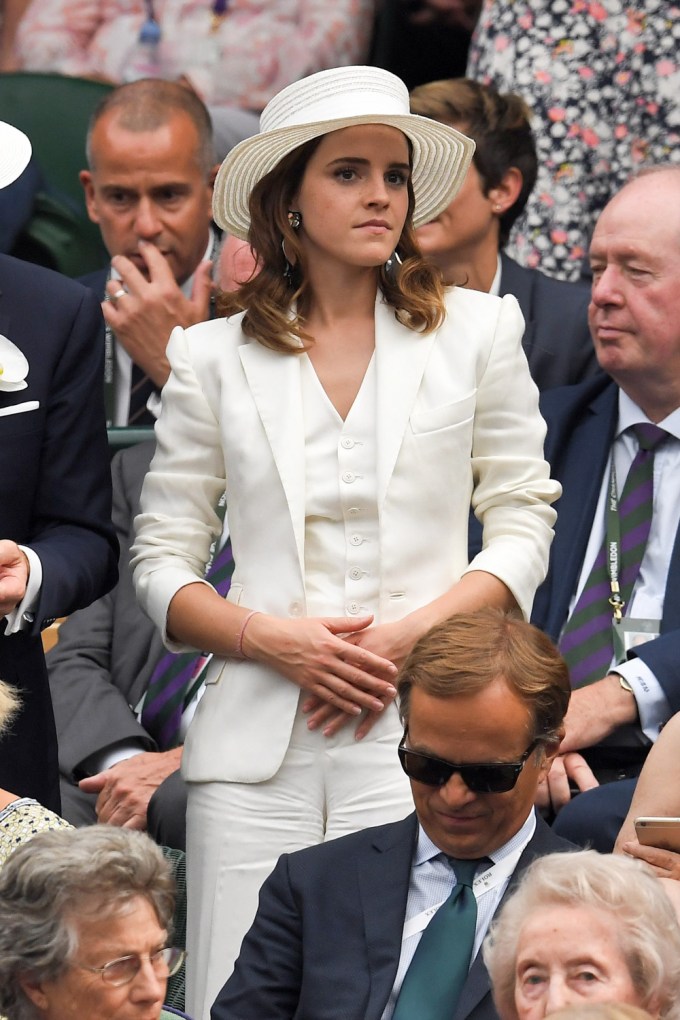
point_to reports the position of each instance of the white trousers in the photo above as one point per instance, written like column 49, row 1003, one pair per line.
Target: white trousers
column 326, row 787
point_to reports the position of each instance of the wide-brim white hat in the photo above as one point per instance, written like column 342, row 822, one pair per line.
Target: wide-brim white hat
column 328, row 101
column 15, row 152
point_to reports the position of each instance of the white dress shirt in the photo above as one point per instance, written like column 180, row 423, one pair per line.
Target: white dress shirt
column 432, row 882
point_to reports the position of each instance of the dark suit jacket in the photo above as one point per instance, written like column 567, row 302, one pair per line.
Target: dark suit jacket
column 326, row 939
column 557, row 339
column 581, row 425
column 56, row 493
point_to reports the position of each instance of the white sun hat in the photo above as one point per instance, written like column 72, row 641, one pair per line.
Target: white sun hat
column 328, row 101
column 15, row 152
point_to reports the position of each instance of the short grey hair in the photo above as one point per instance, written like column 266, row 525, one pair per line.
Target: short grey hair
column 147, row 105
column 646, row 922
column 54, row 878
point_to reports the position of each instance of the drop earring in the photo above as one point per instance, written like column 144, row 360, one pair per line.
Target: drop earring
column 391, row 265
column 295, row 221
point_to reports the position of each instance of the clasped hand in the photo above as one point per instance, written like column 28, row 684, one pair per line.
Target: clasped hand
column 318, row 656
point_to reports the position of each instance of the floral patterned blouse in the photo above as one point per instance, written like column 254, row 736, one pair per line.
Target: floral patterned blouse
column 23, row 819
column 603, row 80
column 242, row 58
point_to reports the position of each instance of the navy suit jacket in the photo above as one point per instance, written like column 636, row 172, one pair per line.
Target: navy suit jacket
column 326, row 939
column 556, row 339
column 581, row 425
column 56, row 493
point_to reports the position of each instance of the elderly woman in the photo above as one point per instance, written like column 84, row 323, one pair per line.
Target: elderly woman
column 583, row 928
column 84, row 917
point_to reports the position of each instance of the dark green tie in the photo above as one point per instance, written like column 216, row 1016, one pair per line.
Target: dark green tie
column 440, row 965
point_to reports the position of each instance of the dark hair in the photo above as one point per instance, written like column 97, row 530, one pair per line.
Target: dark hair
column 415, row 290
column 500, row 125
column 467, row 652
column 147, row 105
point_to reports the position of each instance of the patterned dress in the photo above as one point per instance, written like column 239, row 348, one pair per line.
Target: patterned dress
column 603, row 80
column 23, row 819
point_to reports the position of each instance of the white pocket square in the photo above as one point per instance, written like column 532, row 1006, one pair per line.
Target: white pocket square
column 13, row 366
column 28, row 405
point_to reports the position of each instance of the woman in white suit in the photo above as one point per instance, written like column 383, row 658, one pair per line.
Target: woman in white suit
column 353, row 409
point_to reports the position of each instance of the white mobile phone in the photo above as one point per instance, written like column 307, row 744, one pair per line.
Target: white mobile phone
column 661, row 832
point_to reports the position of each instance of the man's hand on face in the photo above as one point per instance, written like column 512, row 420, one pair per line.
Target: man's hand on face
column 146, row 314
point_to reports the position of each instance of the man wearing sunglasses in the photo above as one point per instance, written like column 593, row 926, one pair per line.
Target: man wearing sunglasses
column 343, row 929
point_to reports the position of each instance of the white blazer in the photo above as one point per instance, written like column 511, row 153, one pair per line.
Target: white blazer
column 457, row 422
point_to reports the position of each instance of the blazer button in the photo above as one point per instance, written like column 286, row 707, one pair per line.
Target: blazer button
column 295, row 609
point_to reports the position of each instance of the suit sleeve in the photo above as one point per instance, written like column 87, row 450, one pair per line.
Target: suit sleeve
column 91, row 710
column 662, row 655
column 71, row 528
column 267, row 977
column 512, row 485
column 178, row 521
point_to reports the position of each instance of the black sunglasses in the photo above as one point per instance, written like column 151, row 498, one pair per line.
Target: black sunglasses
column 482, row 777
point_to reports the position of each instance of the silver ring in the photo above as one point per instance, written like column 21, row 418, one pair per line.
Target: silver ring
column 119, row 294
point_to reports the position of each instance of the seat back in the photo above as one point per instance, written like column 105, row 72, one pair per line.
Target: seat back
column 54, row 111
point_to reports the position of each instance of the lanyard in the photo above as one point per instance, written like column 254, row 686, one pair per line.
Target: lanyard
column 614, row 547
column 484, row 883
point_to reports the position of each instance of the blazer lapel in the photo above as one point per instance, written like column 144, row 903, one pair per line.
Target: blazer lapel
column 383, row 878
column 274, row 381
column 401, row 357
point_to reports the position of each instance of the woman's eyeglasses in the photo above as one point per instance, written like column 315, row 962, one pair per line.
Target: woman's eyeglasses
column 165, row 963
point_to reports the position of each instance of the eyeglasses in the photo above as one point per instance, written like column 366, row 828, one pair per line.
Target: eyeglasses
column 165, row 963
column 479, row 777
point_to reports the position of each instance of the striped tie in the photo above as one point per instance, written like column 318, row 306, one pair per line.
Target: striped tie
column 141, row 388
column 586, row 641
column 178, row 676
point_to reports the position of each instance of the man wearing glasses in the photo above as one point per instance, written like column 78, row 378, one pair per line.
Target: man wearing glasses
column 386, row 924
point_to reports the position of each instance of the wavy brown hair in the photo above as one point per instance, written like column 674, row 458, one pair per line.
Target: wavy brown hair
column 415, row 290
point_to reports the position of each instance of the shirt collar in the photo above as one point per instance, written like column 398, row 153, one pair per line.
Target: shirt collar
column 631, row 414
column 495, row 287
column 426, row 850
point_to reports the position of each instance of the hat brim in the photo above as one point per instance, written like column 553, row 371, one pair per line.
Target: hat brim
column 441, row 157
column 15, row 152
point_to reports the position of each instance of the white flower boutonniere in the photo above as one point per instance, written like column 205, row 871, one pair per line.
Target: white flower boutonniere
column 13, row 366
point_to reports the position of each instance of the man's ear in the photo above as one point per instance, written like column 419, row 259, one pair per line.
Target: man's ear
column 551, row 750
column 506, row 193
column 85, row 177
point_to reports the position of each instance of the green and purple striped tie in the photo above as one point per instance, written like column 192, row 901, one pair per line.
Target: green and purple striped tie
column 586, row 641
column 178, row 676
